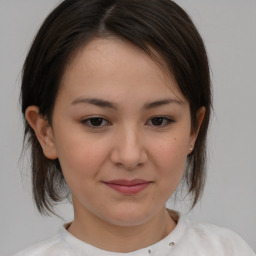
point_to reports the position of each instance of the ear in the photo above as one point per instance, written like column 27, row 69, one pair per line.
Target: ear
column 43, row 131
column 193, row 135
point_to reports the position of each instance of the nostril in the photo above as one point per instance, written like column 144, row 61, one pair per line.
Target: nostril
column 128, row 152
column 128, row 162
column 129, row 167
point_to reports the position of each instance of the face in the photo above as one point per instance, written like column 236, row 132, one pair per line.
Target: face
column 122, row 132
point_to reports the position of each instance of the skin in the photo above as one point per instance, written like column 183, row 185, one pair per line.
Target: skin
column 144, row 132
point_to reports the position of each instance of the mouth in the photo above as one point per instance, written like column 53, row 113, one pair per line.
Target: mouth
column 128, row 186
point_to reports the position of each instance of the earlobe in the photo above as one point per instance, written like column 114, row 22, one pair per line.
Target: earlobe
column 194, row 133
column 43, row 131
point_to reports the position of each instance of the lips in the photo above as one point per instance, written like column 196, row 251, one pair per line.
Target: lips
column 128, row 186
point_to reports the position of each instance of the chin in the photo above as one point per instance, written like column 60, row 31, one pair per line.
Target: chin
column 128, row 217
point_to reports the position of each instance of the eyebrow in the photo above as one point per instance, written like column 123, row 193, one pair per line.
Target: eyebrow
column 95, row 101
column 107, row 104
column 159, row 103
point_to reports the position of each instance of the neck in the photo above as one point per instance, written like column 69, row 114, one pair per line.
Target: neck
column 109, row 237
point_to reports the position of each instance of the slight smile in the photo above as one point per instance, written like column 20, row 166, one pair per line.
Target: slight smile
column 128, row 186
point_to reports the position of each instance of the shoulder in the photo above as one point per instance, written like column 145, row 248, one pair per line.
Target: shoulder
column 211, row 238
column 49, row 247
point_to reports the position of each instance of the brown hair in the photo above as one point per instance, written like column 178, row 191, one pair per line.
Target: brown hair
column 160, row 25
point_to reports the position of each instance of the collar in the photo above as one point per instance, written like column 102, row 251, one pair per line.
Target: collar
column 164, row 247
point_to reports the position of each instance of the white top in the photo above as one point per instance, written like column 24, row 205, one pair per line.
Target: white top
column 188, row 238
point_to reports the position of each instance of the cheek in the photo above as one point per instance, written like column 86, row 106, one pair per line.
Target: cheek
column 170, row 159
column 172, row 152
column 80, row 160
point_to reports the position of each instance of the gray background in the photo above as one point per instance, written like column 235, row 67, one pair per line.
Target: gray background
column 229, row 31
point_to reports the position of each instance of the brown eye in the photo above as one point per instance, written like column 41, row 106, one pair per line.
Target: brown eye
column 157, row 121
column 160, row 121
column 95, row 122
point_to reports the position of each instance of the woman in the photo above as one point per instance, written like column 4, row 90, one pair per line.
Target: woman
column 117, row 99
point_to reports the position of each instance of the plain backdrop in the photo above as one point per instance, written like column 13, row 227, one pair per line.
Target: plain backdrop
column 228, row 28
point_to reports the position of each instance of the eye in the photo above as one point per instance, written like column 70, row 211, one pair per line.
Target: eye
column 160, row 121
column 95, row 122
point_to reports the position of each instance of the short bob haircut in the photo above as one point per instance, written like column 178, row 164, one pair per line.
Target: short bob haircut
column 154, row 26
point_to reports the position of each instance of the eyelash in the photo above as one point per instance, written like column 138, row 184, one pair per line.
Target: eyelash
column 167, row 121
column 88, row 122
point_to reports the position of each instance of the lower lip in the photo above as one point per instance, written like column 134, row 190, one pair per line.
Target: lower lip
column 129, row 190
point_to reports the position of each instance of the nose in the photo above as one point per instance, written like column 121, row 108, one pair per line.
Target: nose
column 129, row 149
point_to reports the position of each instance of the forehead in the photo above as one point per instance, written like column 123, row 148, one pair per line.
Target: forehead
column 108, row 65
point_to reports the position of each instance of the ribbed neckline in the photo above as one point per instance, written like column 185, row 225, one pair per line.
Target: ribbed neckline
column 163, row 247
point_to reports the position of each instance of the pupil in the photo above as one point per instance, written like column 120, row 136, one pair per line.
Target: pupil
column 157, row 121
column 96, row 121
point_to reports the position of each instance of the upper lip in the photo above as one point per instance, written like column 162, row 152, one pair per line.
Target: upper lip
column 127, row 182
